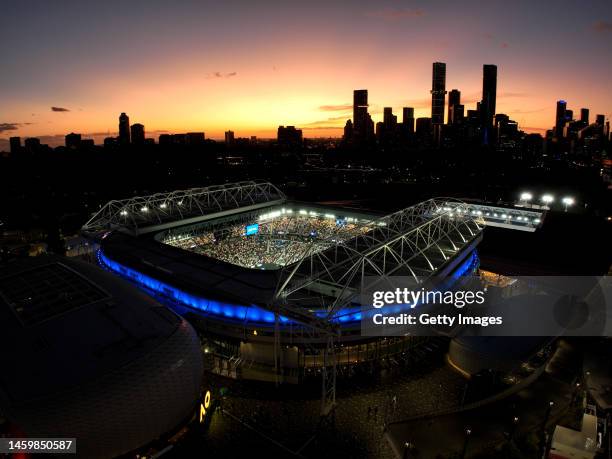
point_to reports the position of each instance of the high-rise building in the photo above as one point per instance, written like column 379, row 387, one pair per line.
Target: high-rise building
column 138, row 133
column 454, row 98
column 15, row 143
column 489, row 95
column 584, row 115
column 229, row 137
column 389, row 119
column 348, row 131
column 423, row 128
column 124, row 129
column 408, row 119
column 438, row 92
column 361, row 121
column 599, row 120
column 195, row 138
column 289, row 136
column 569, row 115
column 560, row 118
column 456, row 113
column 73, row 140
column 31, row 144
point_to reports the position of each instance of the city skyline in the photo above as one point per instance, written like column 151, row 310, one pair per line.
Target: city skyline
column 300, row 72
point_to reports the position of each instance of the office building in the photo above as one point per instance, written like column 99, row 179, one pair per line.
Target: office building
column 289, row 136
column 15, row 143
column 408, row 119
column 73, row 140
column 362, row 123
column 124, row 129
column 438, row 92
column 584, row 115
column 31, row 144
column 454, row 98
column 229, row 137
column 195, row 138
column 138, row 134
column 489, row 95
column 560, row 118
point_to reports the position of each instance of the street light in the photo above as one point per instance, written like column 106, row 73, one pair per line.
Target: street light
column 526, row 196
column 515, row 421
column 568, row 201
column 468, row 432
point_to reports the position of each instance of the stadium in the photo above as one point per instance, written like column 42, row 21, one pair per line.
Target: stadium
column 272, row 285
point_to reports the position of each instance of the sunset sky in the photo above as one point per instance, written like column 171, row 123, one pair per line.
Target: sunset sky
column 249, row 66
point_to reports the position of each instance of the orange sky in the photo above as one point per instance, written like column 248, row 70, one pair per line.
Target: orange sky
column 181, row 73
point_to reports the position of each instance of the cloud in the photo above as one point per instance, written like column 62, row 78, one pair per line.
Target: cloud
column 396, row 14
column 520, row 111
column 309, row 128
column 4, row 127
column 507, row 95
column 221, row 75
column 336, row 108
column 327, row 123
column 59, row 109
column 602, row 26
column 537, row 129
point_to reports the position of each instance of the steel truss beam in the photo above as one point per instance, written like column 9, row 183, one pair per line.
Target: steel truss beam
column 134, row 215
column 415, row 241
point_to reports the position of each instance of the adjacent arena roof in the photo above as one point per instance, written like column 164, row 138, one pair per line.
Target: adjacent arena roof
column 88, row 355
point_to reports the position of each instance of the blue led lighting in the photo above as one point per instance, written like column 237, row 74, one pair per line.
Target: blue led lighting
column 253, row 313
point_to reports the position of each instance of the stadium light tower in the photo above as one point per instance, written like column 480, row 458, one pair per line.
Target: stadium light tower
column 526, row 197
column 567, row 202
column 548, row 199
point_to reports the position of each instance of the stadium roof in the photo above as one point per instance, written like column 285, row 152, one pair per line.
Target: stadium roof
column 145, row 214
column 418, row 241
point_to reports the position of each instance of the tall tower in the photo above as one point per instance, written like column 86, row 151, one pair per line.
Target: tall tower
column 584, row 115
column 138, row 133
column 489, row 94
column 360, row 114
column 438, row 92
column 408, row 119
column 454, row 98
column 560, row 118
column 15, row 143
column 124, row 129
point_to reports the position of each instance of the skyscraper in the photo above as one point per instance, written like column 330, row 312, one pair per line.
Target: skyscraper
column 389, row 119
column 584, row 115
column 456, row 113
column 560, row 118
column 31, row 144
column 489, row 95
column 454, row 98
column 15, row 143
column 289, row 137
column 229, row 137
column 124, row 129
column 361, row 124
column 138, row 133
column 408, row 119
column 73, row 140
column 438, row 92
column 599, row 119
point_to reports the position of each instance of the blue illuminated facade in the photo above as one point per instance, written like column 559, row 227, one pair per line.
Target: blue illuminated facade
column 253, row 313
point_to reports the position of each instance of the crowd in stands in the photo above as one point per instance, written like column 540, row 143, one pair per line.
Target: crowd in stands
column 278, row 241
